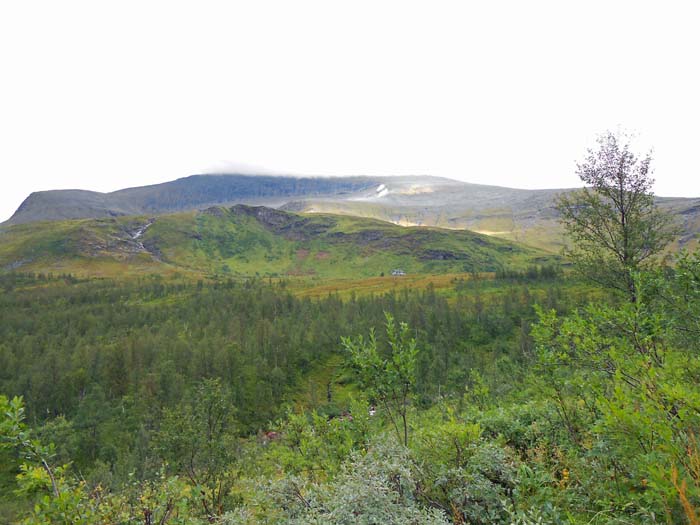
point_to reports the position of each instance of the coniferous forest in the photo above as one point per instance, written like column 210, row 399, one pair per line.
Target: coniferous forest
column 564, row 393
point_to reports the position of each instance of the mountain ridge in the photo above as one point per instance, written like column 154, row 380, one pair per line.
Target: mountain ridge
column 192, row 192
column 523, row 215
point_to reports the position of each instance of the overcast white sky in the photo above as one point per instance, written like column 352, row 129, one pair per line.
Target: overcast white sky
column 105, row 95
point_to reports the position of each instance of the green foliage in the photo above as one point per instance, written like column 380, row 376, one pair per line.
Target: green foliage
column 626, row 393
column 187, row 403
column 614, row 223
column 461, row 473
column 377, row 487
column 315, row 445
column 389, row 379
column 198, row 439
column 476, row 391
column 111, row 373
column 61, row 500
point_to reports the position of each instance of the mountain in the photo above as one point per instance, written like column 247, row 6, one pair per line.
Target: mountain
column 244, row 240
column 189, row 193
column 526, row 216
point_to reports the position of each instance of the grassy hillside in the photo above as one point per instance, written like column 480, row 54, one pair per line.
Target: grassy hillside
column 245, row 241
column 524, row 216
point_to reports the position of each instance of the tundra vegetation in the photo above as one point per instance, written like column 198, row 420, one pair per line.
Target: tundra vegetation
column 528, row 396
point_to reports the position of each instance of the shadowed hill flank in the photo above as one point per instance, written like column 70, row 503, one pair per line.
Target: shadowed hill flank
column 244, row 240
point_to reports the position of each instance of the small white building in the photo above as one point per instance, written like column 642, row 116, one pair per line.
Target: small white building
column 397, row 272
